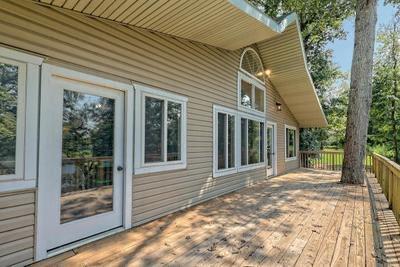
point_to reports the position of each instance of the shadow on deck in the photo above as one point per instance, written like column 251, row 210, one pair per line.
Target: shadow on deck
column 305, row 217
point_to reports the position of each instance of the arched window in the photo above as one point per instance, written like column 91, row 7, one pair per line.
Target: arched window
column 251, row 63
column 251, row 84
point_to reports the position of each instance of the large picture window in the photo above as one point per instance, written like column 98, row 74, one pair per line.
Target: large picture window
column 224, row 141
column 291, row 142
column 161, row 126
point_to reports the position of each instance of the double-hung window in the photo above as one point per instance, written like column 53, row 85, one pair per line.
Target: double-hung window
column 224, row 141
column 161, row 130
column 290, row 143
column 252, row 142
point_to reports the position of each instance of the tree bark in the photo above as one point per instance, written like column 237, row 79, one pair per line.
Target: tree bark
column 360, row 94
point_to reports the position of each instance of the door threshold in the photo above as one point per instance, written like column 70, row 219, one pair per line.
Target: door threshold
column 84, row 241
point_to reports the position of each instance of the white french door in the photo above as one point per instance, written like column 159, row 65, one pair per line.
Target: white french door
column 271, row 149
column 81, row 174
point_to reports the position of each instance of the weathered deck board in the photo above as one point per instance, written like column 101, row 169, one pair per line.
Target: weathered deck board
column 302, row 218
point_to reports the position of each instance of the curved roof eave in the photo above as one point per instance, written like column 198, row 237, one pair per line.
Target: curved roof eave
column 280, row 28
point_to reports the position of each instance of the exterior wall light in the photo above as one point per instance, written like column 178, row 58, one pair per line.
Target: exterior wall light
column 278, row 106
column 268, row 73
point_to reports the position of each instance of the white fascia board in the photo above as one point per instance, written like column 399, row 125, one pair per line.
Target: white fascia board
column 252, row 11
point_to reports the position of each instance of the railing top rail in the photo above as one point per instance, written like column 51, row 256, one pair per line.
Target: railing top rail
column 393, row 166
column 321, row 152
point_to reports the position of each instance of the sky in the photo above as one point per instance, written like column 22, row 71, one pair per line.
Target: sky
column 343, row 49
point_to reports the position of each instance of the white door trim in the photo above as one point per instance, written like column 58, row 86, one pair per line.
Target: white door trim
column 275, row 143
column 47, row 72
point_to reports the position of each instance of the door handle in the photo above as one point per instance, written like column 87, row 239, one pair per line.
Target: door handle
column 120, row 168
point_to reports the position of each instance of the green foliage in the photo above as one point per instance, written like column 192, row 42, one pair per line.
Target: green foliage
column 8, row 117
column 384, row 132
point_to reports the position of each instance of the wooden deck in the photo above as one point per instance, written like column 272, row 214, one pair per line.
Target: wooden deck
column 302, row 218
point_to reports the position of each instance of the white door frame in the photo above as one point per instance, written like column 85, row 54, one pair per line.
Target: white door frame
column 48, row 71
column 275, row 151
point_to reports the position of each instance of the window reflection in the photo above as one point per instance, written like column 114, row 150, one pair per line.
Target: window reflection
column 8, row 117
column 87, row 156
column 246, row 92
column 154, row 109
column 254, row 139
column 174, row 131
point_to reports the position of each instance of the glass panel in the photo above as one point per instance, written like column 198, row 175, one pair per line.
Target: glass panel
column 87, row 156
column 246, row 89
column 269, row 147
column 262, row 142
column 290, row 143
column 221, row 141
column 153, row 144
column 252, row 64
column 243, row 141
column 254, row 139
column 174, row 131
column 231, row 141
column 8, row 117
column 259, row 100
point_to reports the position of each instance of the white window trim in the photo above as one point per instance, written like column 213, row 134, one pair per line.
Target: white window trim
column 27, row 120
column 275, row 144
column 254, row 82
column 295, row 142
column 227, row 111
column 253, row 166
column 141, row 167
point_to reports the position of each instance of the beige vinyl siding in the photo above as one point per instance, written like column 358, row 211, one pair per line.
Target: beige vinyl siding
column 17, row 217
column 205, row 74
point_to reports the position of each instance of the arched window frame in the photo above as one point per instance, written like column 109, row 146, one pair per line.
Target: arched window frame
column 256, row 84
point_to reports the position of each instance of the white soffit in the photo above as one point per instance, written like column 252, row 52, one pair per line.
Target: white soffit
column 228, row 24
column 284, row 56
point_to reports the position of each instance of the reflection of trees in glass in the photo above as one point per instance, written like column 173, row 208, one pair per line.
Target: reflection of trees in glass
column 254, row 138
column 88, row 137
column 153, row 129
column 221, row 141
column 290, row 143
column 243, row 141
column 231, row 141
column 8, row 117
column 174, row 131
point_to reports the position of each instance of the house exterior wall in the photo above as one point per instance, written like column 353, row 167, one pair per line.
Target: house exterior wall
column 17, row 217
column 205, row 74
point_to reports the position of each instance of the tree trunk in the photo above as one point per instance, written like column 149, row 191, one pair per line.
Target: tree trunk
column 360, row 93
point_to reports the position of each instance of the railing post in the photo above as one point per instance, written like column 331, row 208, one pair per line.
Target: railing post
column 390, row 193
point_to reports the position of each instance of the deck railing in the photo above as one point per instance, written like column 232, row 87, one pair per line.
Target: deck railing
column 387, row 173
column 328, row 160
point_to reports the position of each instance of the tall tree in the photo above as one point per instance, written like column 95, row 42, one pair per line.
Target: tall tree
column 360, row 94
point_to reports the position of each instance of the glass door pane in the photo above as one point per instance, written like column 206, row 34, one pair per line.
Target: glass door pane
column 269, row 147
column 87, row 156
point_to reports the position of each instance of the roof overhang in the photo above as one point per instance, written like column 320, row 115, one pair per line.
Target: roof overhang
column 228, row 24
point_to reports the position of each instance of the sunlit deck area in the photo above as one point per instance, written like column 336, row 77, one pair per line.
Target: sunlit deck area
column 302, row 218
